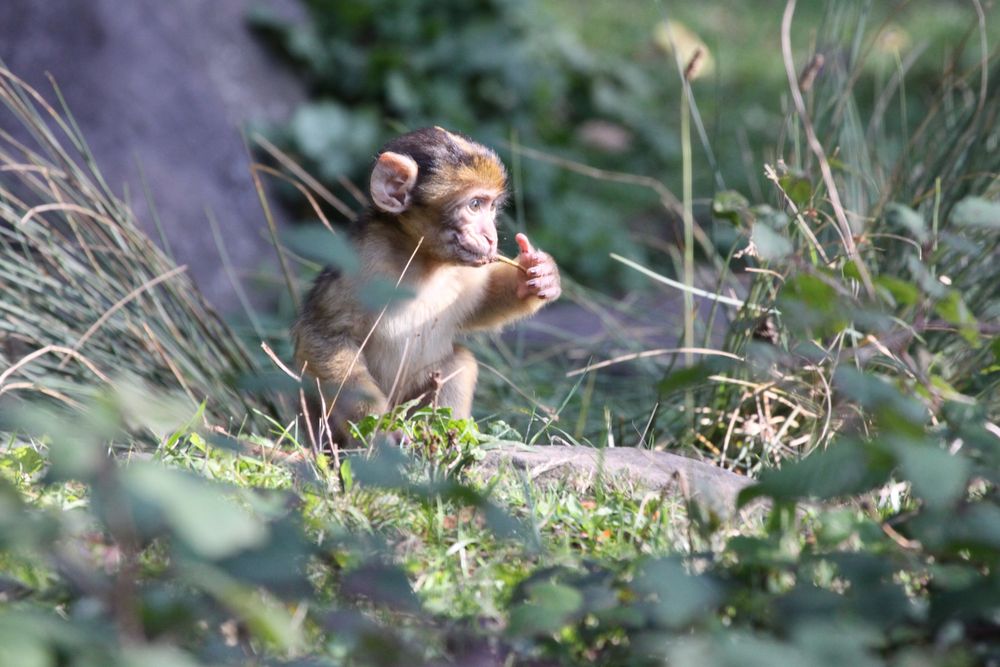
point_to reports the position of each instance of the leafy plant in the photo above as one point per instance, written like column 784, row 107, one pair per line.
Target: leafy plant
column 859, row 384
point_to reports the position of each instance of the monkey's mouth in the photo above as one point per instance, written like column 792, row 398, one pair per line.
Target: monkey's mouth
column 474, row 254
column 479, row 259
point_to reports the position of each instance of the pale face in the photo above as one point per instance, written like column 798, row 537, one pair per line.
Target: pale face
column 470, row 229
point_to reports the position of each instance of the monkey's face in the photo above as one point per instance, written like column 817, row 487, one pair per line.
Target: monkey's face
column 469, row 233
column 442, row 188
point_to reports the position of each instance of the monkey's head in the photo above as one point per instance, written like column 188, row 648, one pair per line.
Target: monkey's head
column 444, row 188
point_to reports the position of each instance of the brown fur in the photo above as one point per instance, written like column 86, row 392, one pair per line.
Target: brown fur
column 410, row 340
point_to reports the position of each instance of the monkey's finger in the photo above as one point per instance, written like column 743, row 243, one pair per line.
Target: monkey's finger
column 540, row 267
column 524, row 244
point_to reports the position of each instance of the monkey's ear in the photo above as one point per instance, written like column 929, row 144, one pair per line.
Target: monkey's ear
column 392, row 181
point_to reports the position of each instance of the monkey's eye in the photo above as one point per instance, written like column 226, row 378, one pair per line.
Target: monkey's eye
column 475, row 204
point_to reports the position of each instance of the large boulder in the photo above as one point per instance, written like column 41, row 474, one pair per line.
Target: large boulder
column 168, row 85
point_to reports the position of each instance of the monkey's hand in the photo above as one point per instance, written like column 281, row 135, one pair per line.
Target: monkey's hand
column 540, row 277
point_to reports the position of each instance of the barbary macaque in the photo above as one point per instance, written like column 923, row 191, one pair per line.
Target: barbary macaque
column 431, row 226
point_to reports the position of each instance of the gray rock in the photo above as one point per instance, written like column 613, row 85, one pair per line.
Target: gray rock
column 169, row 85
column 647, row 469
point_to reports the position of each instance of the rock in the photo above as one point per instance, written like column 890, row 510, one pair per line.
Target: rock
column 649, row 470
column 168, row 85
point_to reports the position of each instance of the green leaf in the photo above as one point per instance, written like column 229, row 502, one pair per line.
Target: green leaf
column 851, row 270
column 845, row 467
column 266, row 618
column 875, row 393
column 729, row 205
column 550, row 607
column 335, row 137
column 693, row 375
column 156, row 656
column 811, row 305
column 952, row 308
column 731, row 649
column 939, row 478
column 898, row 215
column 798, row 189
column 902, row 292
column 384, row 468
column 201, row 517
column 974, row 527
column 677, row 598
column 317, row 243
column 977, row 212
column 346, row 475
column 381, row 584
column 770, row 244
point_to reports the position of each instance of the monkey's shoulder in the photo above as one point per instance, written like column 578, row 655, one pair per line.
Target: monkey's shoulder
column 330, row 305
column 322, row 286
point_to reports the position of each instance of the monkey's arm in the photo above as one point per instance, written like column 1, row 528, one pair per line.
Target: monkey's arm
column 499, row 302
column 510, row 293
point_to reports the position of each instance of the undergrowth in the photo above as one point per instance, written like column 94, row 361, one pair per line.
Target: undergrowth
column 153, row 513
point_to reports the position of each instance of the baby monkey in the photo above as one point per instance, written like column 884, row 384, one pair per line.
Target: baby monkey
column 432, row 226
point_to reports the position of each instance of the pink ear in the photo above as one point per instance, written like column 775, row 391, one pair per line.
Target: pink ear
column 392, row 181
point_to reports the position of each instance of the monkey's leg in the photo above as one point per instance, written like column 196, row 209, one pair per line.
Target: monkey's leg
column 459, row 373
column 348, row 391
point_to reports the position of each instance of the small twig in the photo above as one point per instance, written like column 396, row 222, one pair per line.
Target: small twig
column 31, row 386
column 149, row 284
column 653, row 353
column 772, row 176
column 668, row 198
column 300, row 173
column 298, row 186
column 843, row 226
column 900, row 541
column 436, row 384
column 277, row 362
column 549, row 412
column 304, row 404
column 27, row 359
column 729, row 301
column 74, row 208
column 272, row 229
column 508, row 260
column 399, row 372
column 154, row 341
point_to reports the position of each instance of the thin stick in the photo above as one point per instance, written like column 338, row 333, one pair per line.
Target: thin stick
column 653, row 353
column 277, row 362
column 273, row 230
column 729, row 301
column 298, row 186
column 399, row 371
column 843, row 226
column 305, row 417
column 667, row 198
column 149, row 284
column 53, row 348
column 508, row 260
column 234, row 280
column 304, row 176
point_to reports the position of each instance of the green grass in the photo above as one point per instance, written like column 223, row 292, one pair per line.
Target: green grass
column 165, row 516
